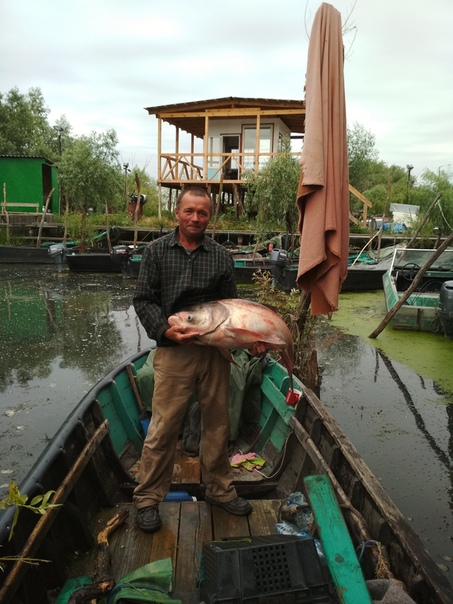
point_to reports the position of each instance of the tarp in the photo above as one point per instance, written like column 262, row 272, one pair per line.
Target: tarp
column 323, row 194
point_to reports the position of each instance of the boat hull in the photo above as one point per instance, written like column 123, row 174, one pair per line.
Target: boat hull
column 358, row 278
column 20, row 254
column 91, row 462
column 420, row 311
column 96, row 262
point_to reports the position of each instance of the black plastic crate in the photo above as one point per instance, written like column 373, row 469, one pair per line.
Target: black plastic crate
column 258, row 570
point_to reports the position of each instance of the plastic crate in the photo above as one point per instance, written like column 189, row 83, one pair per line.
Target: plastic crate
column 276, row 568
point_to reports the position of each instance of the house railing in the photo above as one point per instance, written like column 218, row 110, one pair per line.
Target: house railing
column 11, row 206
column 211, row 167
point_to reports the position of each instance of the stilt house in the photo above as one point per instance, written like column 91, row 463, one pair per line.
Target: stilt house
column 215, row 142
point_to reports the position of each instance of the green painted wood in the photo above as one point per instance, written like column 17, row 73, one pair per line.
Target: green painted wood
column 338, row 548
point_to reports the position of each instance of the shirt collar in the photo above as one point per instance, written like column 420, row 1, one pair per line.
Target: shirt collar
column 206, row 242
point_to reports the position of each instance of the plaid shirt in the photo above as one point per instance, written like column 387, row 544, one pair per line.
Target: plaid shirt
column 171, row 279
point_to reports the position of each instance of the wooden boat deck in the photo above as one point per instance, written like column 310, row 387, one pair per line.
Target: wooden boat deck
column 185, row 527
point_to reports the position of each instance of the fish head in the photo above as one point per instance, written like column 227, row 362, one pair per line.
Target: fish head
column 197, row 319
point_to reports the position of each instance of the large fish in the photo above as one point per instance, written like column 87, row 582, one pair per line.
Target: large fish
column 233, row 323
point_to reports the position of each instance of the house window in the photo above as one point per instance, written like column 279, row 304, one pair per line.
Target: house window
column 265, row 146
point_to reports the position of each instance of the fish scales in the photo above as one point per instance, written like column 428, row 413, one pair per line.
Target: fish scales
column 234, row 323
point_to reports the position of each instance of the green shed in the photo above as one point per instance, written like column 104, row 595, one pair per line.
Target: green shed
column 27, row 182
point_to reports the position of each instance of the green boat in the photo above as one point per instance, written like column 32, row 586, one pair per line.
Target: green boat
column 322, row 528
column 430, row 306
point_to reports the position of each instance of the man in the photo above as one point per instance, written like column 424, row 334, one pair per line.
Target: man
column 178, row 270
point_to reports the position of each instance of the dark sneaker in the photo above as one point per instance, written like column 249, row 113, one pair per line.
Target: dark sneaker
column 237, row 506
column 148, row 519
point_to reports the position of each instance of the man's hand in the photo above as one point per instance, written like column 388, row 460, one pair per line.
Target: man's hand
column 258, row 349
column 177, row 334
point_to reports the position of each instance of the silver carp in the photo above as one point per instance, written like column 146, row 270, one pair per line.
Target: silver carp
column 233, row 323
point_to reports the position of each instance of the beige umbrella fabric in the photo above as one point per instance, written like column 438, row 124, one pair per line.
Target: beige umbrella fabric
column 323, row 194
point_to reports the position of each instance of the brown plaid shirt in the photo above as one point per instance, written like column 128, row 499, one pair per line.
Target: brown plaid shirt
column 171, row 279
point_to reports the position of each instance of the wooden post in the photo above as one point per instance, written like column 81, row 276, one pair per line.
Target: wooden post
column 217, row 207
column 425, row 218
column 392, row 312
column 367, row 244
column 109, row 243
column 43, row 217
column 66, row 214
column 5, row 211
column 137, row 209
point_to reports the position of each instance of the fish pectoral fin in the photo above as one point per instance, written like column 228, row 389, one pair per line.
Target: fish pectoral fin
column 227, row 354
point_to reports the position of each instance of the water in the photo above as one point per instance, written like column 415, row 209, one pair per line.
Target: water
column 61, row 332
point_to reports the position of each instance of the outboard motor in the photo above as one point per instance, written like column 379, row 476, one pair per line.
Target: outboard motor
column 446, row 309
column 279, row 261
column 120, row 255
column 57, row 251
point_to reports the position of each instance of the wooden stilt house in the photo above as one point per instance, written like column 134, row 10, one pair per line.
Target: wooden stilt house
column 215, row 142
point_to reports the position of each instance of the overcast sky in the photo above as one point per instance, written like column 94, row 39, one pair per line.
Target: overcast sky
column 100, row 62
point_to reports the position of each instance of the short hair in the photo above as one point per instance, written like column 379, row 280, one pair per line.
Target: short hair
column 196, row 191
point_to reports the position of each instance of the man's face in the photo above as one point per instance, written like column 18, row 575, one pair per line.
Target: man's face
column 193, row 216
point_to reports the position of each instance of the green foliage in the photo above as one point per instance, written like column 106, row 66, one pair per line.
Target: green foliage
column 362, row 156
column 290, row 308
column 39, row 504
column 431, row 185
column 90, row 172
column 24, row 129
column 148, row 187
column 271, row 194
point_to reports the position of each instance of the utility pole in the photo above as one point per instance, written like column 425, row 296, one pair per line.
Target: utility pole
column 59, row 129
column 126, row 170
column 409, row 169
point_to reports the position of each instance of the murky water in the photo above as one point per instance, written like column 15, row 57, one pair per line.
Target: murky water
column 393, row 396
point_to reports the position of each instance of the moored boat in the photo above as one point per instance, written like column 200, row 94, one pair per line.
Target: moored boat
column 24, row 254
column 361, row 276
column 430, row 306
column 91, row 462
column 98, row 261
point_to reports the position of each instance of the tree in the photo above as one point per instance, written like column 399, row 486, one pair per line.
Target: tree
column 431, row 185
column 271, row 194
column 362, row 156
column 24, row 128
column 91, row 174
column 148, row 187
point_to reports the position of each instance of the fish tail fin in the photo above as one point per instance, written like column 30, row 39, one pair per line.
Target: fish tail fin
column 289, row 367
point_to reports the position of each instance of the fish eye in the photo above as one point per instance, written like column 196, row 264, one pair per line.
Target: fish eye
column 189, row 317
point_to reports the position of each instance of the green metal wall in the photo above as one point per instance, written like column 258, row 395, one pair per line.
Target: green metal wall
column 29, row 180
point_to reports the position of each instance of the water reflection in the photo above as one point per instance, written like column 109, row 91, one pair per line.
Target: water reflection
column 59, row 334
column 401, row 423
column 48, row 316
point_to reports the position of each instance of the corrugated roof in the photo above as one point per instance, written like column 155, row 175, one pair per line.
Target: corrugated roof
column 191, row 116
column 12, row 156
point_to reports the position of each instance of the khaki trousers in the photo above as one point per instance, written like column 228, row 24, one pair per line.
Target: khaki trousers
column 178, row 372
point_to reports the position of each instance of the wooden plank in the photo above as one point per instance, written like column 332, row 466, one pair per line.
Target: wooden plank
column 338, row 548
column 195, row 529
column 130, row 547
column 166, row 539
column 185, row 469
column 264, row 517
column 227, row 525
